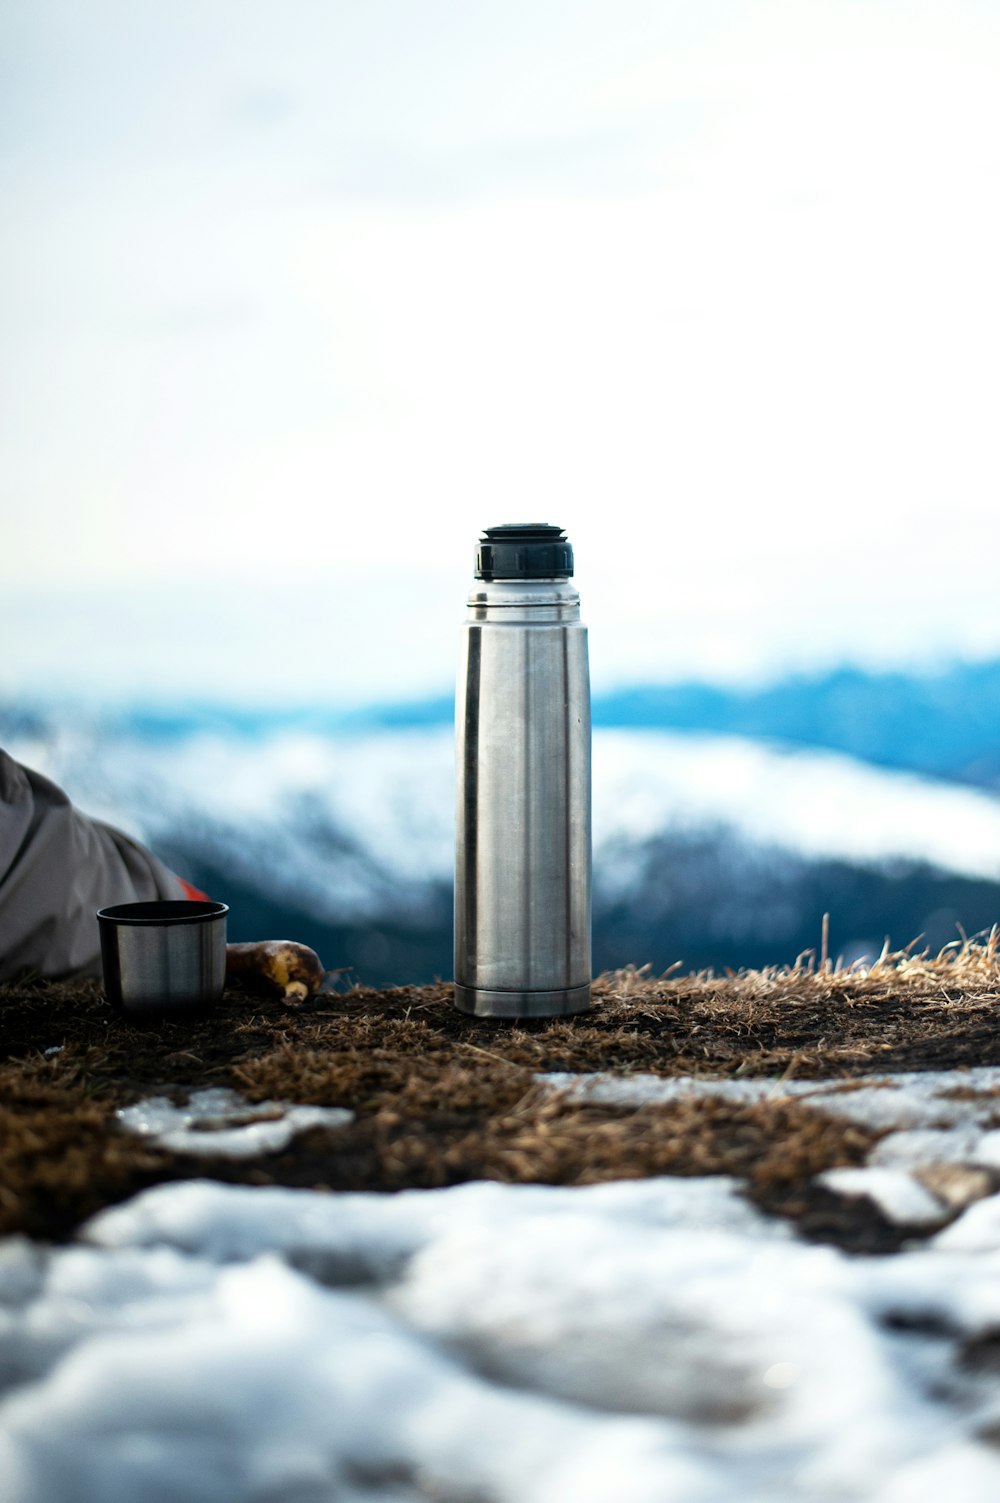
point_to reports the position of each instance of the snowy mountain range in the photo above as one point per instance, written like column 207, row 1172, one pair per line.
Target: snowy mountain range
column 710, row 848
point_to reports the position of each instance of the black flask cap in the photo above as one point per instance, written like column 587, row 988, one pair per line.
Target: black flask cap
column 524, row 550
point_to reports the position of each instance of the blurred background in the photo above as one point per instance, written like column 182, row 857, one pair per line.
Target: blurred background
column 295, row 300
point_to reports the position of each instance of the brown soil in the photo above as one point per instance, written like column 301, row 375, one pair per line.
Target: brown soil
column 441, row 1098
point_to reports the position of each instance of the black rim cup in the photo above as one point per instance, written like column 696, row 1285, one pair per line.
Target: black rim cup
column 168, row 911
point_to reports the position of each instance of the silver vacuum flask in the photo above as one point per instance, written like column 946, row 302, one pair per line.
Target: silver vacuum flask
column 523, row 851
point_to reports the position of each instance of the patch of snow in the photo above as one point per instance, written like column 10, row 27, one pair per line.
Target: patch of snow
column 988, row 1150
column 897, row 1194
column 654, row 1090
column 20, row 1270
column 964, row 1472
column 907, row 1100
column 277, row 1388
column 383, row 1231
column 205, row 1125
column 976, row 1230
column 915, row 1146
column 641, row 1341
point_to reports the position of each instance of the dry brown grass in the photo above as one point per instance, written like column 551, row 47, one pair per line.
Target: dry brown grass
column 442, row 1098
column 59, row 1160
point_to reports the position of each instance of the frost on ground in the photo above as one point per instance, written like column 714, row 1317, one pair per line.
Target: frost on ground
column 221, row 1122
column 648, row 1341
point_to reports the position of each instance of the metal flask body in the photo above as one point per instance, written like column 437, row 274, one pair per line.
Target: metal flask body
column 523, row 848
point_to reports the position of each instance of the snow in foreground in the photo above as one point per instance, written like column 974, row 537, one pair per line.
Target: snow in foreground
column 640, row 1342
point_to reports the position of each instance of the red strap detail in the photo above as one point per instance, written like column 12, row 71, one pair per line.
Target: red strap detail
column 194, row 893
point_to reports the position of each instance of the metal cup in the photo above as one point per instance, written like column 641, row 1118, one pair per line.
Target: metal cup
column 165, row 956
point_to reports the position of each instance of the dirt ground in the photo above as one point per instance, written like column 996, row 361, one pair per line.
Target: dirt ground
column 441, row 1098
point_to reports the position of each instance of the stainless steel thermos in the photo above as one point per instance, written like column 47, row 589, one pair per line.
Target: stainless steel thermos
column 523, row 850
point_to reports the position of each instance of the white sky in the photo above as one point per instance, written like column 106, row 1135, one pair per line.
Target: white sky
column 294, row 299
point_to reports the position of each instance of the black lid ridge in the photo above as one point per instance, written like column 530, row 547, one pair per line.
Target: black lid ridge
column 524, row 550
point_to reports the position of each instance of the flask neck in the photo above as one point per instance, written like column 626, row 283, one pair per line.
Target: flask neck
column 535, row 600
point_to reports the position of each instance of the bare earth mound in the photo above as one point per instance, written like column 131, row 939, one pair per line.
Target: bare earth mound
column 440, row 1098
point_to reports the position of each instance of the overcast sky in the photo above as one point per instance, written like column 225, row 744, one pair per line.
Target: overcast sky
column 295, row 298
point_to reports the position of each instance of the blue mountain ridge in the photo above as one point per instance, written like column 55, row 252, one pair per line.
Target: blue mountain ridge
column 944, row 723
